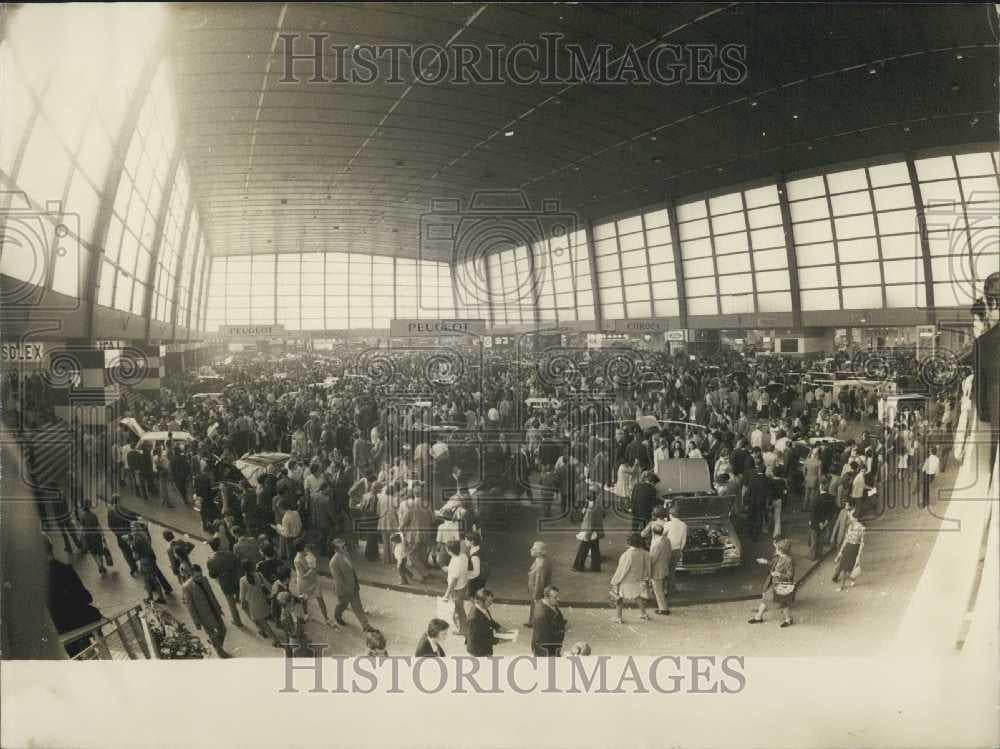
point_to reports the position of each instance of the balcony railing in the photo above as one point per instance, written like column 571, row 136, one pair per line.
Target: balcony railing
column 124, row 636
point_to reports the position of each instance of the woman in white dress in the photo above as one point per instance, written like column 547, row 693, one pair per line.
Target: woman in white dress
column 626, row 480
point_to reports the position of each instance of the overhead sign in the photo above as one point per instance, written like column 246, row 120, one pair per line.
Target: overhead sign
column 251, row 331
column 430, row 328
column 21, row 352
column 676, row 335
column 640, row 326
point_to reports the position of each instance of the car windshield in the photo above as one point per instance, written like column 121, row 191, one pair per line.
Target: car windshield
column 701, row 507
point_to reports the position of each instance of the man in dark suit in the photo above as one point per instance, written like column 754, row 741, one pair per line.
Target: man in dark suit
column 644, row 500
column 638, row 452
column 522, row 471
column 348, row 589
column 205, row 610
column 226, row 569
column 482, row 626
column 549, row 626
column 759, row 490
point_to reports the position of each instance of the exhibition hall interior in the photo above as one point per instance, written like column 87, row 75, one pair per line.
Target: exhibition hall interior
column 499, row 329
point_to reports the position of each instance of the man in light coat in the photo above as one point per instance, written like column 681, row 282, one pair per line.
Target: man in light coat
column 539, row 578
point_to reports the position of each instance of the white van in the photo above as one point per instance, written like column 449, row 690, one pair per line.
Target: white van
column 890, row 405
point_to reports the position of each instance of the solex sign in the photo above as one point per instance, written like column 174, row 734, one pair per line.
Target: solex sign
column 433, row 328
column 21, row 352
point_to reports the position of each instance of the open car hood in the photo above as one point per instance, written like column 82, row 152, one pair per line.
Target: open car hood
column 705, row 507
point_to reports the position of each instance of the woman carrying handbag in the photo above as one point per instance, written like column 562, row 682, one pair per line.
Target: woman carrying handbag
column 848, row 557
column 631, row 581
column 779, row 587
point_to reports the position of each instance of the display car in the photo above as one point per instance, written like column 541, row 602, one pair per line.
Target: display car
column 713, row 542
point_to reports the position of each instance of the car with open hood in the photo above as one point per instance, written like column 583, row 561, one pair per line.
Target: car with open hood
column 713, row 542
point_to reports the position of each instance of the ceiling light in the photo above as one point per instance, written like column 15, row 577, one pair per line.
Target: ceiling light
column 809, row 147
column 795, row 116
column 652, row 137
column 973, row 122
column 753, row 102
column 955, row 86
column 508, row 133
column 718, row 168
column 763, row 132
column 657, row 159
column 906, row 128
column 959, row 56
column 872, row 70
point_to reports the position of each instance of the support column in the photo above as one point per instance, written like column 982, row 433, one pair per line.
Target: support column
column 793, row 265
column 594, row 285
column 675, row 244
column 925, row 244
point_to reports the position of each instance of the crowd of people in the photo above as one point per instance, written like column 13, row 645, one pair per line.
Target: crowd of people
column 417, row 459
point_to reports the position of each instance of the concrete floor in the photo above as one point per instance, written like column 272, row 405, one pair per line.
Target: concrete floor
column 860, row 621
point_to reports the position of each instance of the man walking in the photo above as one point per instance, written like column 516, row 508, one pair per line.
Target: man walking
column 120, row 524
column 539, row 578
column 225, row 568
column 676, row 530
column 930, row 471
column 205, row 610
column 348, row 589
column 458, row 583
column 549, row 626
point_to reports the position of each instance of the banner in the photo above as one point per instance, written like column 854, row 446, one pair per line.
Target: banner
column 431, row 328
column 641, row 326
column 251, row 331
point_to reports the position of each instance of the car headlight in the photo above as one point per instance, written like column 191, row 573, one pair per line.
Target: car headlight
column 730, row 552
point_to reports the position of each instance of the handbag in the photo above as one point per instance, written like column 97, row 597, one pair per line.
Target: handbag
column 784, row 589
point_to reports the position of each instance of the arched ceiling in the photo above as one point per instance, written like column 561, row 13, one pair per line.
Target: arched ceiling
column 291, row 167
